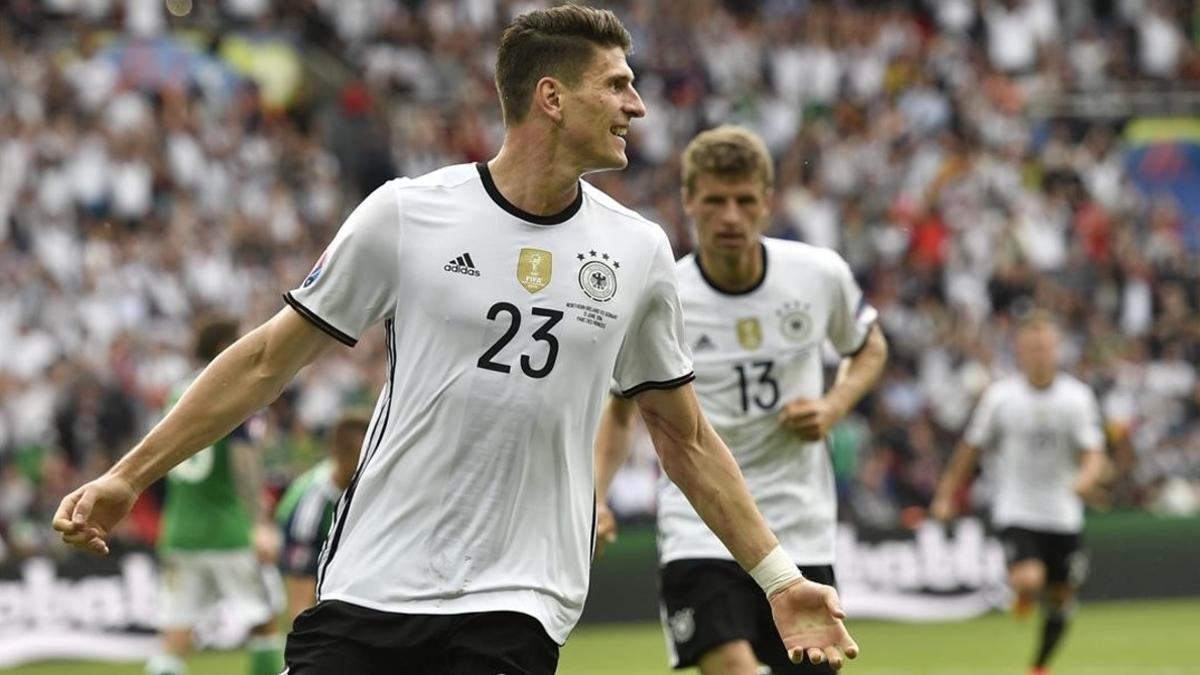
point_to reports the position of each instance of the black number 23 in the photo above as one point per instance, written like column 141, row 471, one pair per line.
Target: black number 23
column 542, row 334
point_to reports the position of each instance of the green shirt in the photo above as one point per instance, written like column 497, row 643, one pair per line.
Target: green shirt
column 203, row 511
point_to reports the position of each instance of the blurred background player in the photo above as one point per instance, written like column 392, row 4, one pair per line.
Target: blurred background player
column 757, row 312
column 307, row 508
column 216, row 536
column 1045, row 426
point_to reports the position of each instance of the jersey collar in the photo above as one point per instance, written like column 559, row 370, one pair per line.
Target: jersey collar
column 711, row 284
column 553, row 219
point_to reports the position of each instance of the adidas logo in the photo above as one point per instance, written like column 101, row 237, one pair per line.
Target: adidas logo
column 463, row 265
column 703, row 344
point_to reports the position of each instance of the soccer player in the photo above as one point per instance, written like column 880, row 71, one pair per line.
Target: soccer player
column 511, row 294
column 756, row 312
column 215, row 536
column 306, row 510
column 1045, row 427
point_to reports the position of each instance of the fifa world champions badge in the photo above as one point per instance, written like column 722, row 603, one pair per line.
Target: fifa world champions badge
column 534, row 269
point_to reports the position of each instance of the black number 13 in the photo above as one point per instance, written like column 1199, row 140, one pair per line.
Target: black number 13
column 766, row 385
column 542, row 334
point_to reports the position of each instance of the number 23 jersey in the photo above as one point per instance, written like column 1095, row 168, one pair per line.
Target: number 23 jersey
column 474, row 490
column 754, row 352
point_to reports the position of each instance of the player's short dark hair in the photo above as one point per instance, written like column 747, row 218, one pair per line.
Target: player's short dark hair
column 727, row 151
column 213, row 335
column 559, row 42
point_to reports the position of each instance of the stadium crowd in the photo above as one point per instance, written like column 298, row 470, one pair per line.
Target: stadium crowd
column 136, row 197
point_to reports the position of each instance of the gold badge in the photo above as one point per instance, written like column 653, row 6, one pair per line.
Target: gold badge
column 534, row 268
column 749, row 333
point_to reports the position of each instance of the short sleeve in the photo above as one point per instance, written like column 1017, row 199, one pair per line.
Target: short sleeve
column 353, row 284
column 1087, row 432
column 654, row 354
column 851, row 317
column 981, row 429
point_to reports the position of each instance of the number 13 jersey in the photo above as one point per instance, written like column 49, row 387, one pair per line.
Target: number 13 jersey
column 474, row 490
column 754, row 352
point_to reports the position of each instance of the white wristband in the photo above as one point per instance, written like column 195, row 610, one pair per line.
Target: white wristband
column 775, row 572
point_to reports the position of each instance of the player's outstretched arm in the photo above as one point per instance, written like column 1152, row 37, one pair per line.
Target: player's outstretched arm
column 962, row 463
column 808, row 615
column 613, row 440
column 245, row 377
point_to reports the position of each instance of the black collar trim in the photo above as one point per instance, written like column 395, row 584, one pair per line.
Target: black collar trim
column 713, row 285
column 553, row 219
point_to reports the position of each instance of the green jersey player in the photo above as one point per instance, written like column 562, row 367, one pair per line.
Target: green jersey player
column 210, row 548
column 305, row 513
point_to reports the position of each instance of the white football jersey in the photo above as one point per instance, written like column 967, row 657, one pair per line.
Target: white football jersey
column 474, row 491
column 1037, row 435
column 754, row 352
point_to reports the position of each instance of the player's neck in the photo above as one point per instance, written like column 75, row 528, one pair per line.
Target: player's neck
column 736, row 273
column 532, row 181
column 1041, row 382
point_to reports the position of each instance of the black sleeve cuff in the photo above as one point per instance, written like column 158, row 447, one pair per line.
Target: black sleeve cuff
column 318, row 321
column 866, row 338
column 668, row 384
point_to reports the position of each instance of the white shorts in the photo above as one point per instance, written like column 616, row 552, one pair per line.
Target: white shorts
column 193, row 583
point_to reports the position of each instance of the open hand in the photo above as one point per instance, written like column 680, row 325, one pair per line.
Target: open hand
column 809, row 617
column 87, row 515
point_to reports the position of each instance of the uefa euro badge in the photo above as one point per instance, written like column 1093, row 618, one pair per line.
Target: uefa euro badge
column 598, row 276
column 749, row 333
column 534, row 268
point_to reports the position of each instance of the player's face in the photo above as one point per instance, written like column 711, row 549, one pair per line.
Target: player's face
column 729, row 214
column 1038, row 352
column 597, row 114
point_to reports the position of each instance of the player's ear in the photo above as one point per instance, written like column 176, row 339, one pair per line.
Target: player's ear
column 685, row 198
column 547, row 98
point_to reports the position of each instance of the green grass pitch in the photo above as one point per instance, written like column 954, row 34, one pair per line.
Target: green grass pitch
column 1159, row 638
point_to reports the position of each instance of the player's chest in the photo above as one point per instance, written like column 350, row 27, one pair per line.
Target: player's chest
column 583, row 288
column 1040, row 424
column 728, row 328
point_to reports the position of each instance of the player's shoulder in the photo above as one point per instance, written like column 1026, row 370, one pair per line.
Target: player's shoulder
column 1074, row 387
column 632, row 222
column 447, row 177
column 799, row 255
column 1005, row 387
